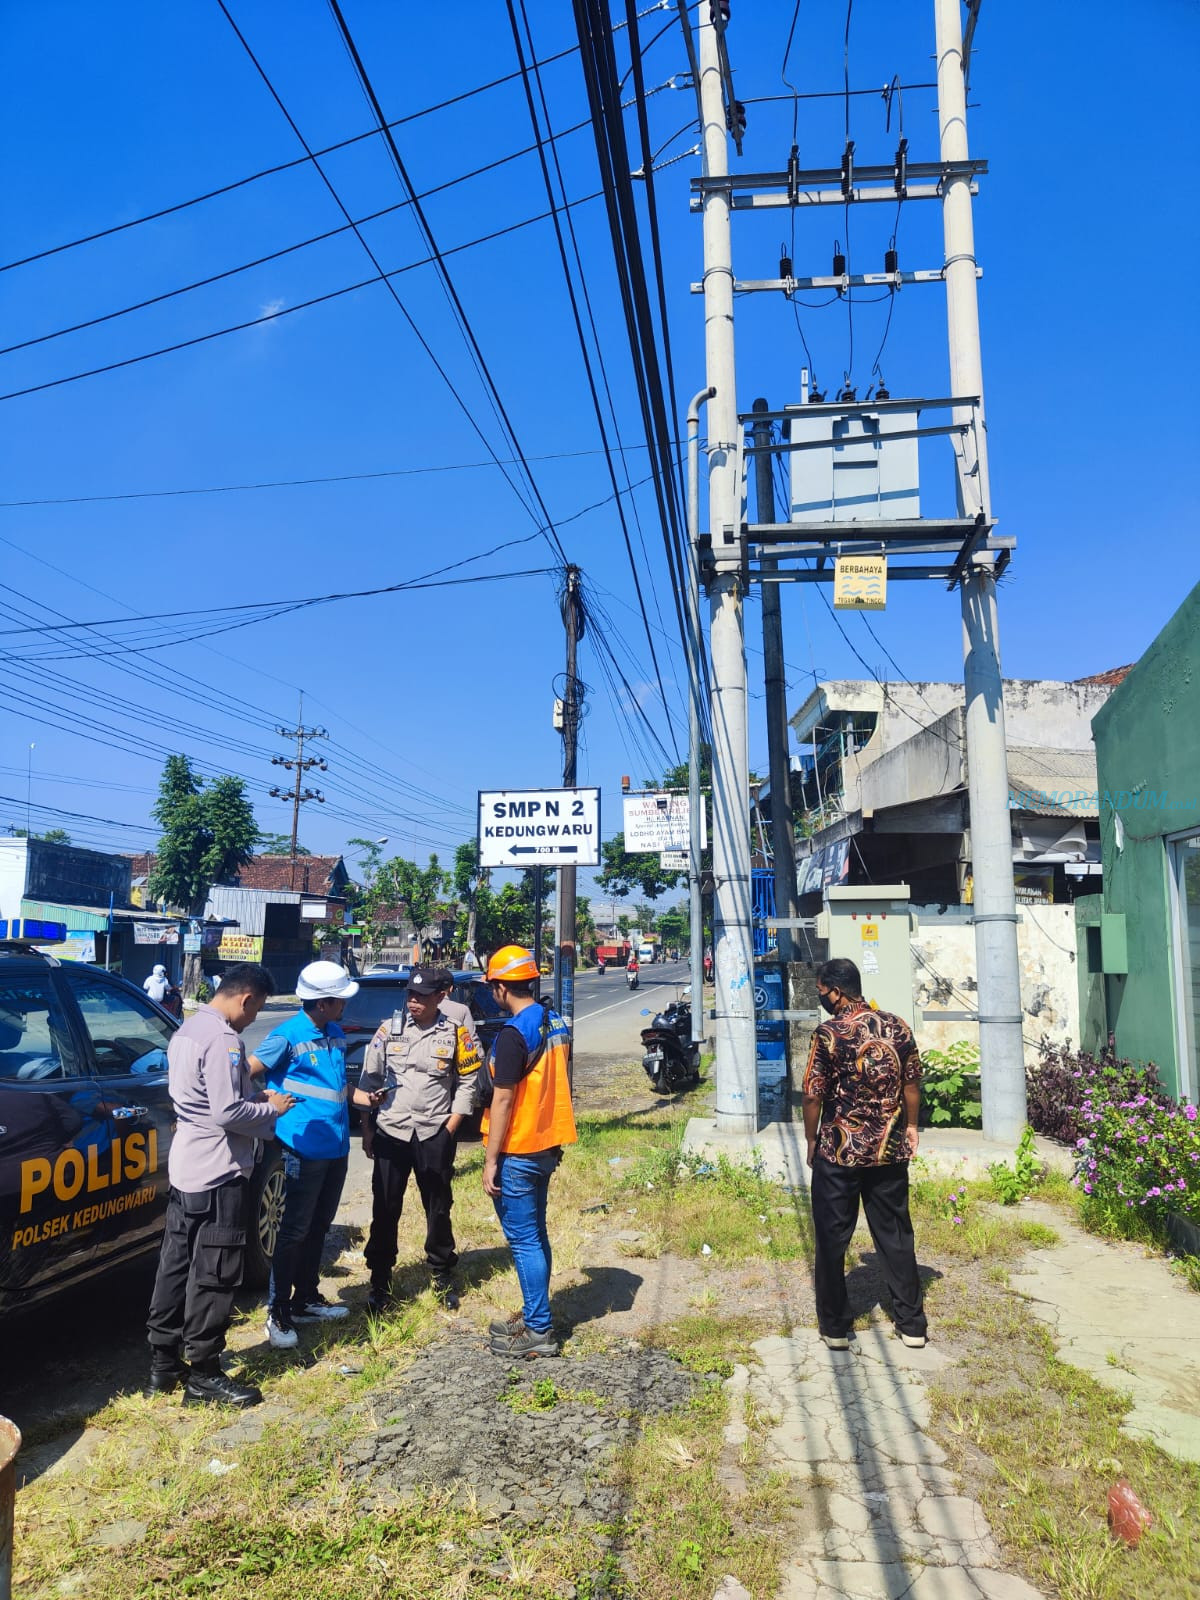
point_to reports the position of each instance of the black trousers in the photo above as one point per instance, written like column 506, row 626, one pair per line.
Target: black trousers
column 199, row 1271
column 431, row 1161
column 884, row 1192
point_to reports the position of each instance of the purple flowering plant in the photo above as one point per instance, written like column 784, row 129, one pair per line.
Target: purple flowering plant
column 1137, row 1150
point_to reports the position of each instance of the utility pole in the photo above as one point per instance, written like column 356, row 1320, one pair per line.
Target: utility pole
column 695, row 799
column 1002, row 1060
column 736, row 1072
column 300, row 765
column 564, row 967
column 783, row 843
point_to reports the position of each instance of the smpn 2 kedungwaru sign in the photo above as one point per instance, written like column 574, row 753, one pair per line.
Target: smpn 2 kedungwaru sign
column 539, row 828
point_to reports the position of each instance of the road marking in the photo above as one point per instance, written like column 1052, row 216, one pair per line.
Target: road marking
column 632, row 995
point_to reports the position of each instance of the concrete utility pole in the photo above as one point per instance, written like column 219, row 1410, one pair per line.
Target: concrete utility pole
column 302, row 764
column 564, row 967
column 783, row 841
column 1002, row 1061
column 736, row 1071
column 695, row 798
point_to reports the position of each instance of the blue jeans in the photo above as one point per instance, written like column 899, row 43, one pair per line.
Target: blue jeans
column 312, row 1190
column 521, row 1207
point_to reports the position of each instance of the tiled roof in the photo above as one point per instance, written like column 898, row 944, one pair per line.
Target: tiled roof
column 312, row 875
column 1109, row 679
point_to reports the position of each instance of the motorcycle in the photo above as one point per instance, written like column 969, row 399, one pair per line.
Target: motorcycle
column 631, row 977
column 672, row 1058
column 600, row 967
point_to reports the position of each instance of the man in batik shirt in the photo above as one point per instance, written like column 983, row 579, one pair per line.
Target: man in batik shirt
column 862, row 1096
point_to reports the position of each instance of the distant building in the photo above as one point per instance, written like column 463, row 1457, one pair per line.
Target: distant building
column 306, row 874
column 883, row 782
column 89, row 891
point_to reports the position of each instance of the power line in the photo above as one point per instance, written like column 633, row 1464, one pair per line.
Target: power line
column 303, row 483
column 575, row 312
column 270, row 172
column 275, row 255
column 303, row 305
column 447, row 282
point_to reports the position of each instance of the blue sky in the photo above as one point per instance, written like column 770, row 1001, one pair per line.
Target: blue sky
column 1082, row 227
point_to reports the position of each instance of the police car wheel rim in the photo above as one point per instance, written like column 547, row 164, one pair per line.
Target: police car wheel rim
column 270, row 1211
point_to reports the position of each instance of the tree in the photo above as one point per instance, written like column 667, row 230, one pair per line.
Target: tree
column 207, row 834
column 623, row 873
column 469, row 879
column 675, row 925
column 644, row 916
column 280, row 844
column 51, row 835
column 389, row 884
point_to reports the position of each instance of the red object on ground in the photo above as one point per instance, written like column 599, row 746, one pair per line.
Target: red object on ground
column 1128, row 1518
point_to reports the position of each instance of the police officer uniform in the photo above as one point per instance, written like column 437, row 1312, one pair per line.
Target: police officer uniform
column 426, row 1076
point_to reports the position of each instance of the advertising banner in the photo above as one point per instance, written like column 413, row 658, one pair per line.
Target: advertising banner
column 241, row 947
column 659, row 822
column 155, row 933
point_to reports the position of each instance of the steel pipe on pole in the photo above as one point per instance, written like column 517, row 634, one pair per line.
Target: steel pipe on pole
column 695, row 799
column 736, row 1068
column 1002, row 1060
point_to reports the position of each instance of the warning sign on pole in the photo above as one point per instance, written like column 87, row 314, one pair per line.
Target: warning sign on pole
column 860, row 583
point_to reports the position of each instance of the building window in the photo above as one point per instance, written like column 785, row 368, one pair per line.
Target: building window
column 1185, row 898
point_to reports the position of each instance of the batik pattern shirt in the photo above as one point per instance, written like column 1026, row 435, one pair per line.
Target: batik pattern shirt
column 858, row 1066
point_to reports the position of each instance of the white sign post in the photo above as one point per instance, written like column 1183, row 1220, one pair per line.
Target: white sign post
column 659, row 822
column 539, row 828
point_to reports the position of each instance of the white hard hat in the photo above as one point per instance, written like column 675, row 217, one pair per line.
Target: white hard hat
column 325, row 980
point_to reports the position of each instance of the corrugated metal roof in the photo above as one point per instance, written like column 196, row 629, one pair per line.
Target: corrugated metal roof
column 1052, row 783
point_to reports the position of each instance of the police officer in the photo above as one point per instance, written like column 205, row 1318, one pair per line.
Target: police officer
column 306, row 1057
column 457, row 1010
column 220, row 1119
column 419, row 1079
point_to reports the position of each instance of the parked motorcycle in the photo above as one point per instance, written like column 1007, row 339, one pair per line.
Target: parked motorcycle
column 672, row 1059
column 631, row 977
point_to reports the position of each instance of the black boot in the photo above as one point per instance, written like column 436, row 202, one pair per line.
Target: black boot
column 380, row 1297
column 446, row 1293
column 208, row 1385
column 167, row 1372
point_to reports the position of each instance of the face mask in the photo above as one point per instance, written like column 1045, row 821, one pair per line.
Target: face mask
column 827, row 1003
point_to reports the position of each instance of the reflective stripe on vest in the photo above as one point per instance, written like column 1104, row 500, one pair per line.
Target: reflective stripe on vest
column 312, row 1091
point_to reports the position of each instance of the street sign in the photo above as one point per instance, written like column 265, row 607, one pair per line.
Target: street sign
column 539, row 827
column 659, row 822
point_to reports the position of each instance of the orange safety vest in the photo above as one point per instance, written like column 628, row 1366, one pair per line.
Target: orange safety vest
column 542, row 1116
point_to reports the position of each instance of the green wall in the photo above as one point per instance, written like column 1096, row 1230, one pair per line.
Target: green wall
column 1147, row 742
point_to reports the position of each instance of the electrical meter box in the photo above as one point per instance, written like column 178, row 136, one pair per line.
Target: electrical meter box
column 852, row 469
column 872, row 926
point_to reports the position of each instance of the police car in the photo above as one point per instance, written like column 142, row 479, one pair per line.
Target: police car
column 85, row 1127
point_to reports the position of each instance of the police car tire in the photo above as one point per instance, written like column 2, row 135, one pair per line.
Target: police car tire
column 263, row 1211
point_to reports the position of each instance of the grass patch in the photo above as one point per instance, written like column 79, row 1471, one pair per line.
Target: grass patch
column 1039, row 1444
column 708, row 1344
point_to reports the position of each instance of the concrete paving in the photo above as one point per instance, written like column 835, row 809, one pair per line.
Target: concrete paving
column 780, row 1147
column 1121, row 1315
column 882, row 1515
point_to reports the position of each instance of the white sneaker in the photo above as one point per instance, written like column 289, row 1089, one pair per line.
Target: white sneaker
column 914, row 1341
column 319, row 1310
column 280, row 1333
column 835, row 1341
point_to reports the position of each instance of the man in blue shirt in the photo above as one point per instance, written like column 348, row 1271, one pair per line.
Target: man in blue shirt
column 305, row 1057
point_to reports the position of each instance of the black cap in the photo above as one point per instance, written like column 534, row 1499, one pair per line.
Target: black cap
column 425, row 980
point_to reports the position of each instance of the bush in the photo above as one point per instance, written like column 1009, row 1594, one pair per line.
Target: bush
column 1065, row 1082
column 950, row 1087
column 1140, row 1158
